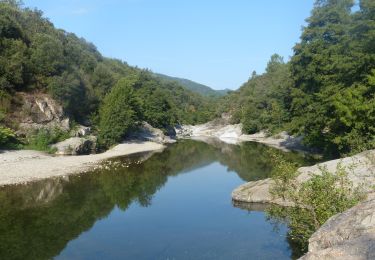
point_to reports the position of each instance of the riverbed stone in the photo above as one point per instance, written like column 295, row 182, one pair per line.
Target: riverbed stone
column 75, row 146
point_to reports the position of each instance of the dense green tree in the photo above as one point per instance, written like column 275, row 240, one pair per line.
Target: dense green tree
column 119, row 113
column 263, row 102
column 102, row 79
column 13, row 62
column 69, row 89
column 332, row 99
column 47, row 55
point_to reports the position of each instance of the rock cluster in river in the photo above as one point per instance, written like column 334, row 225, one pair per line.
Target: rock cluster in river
column 361, row 173
column 349, row 235
column 221, row 129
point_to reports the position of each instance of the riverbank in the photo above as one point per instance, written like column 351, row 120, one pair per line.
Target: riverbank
column 22, row 166
column 348, row 235
column 361, row 171
column 232, row 133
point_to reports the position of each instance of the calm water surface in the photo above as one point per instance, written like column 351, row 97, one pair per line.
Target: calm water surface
column 174, row 205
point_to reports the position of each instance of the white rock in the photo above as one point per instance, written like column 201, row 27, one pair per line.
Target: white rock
column 75, row 146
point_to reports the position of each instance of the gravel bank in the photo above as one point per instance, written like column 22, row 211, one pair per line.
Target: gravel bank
column 23, row 166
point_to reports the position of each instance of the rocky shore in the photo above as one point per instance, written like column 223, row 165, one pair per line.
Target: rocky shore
column 349, row 235
column 232, row 133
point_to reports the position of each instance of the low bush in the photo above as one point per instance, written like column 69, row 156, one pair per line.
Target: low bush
column 315, row 200
column 7, row 138
column 43, row 138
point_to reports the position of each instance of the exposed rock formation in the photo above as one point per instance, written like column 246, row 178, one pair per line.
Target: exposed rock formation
column 148, row 133
column 349, row 235
column 257, row 192
column 218, row 128
column 221, row 129
column 76, row 146
column 40, row 111
column 361, row 172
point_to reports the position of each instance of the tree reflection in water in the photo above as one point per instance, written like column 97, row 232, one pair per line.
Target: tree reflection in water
column 39, row 219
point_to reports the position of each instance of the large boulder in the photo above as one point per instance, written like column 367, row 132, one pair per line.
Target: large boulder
column 349, row 235
column 76, row 146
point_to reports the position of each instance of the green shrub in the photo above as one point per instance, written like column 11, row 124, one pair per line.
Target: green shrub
column 315, row 200
column 283, row 174
column 43, row 138
column 7, row 137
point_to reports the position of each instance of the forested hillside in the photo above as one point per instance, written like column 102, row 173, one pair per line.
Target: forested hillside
column 35, row 57
column 194, row 86
column 326, row 91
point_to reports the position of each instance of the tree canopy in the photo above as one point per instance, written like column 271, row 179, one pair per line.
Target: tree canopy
column 326, row 91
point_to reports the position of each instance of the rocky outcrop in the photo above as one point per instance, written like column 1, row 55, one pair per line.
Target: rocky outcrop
column 349, row 235
column 40, row 111
column 282, row 141
column 232, row 133
column 361, row 171
column 257, row 192
column 76, row 146
column 148, row 133
column 218, row 128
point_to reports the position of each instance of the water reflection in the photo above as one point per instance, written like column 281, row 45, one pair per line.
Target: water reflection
column 38, row 220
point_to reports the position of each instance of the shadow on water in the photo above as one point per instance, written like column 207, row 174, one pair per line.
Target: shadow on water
column 39, row 219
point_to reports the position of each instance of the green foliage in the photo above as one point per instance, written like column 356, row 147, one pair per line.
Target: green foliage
column 7, row 137
column 47, row 55
column 43, row 138
column 262, row 103
column 119, row 113
column 315, row 200
column 283, row 174
column 332, row 68
column 70, row 91
column 326, row 93
column 34, row 56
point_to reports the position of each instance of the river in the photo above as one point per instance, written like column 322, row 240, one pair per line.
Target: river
column 170, row 205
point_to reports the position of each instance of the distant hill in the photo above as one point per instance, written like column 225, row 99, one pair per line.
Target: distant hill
column 194, row 86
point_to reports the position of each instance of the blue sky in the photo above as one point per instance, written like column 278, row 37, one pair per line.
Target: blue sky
column 214, row 42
